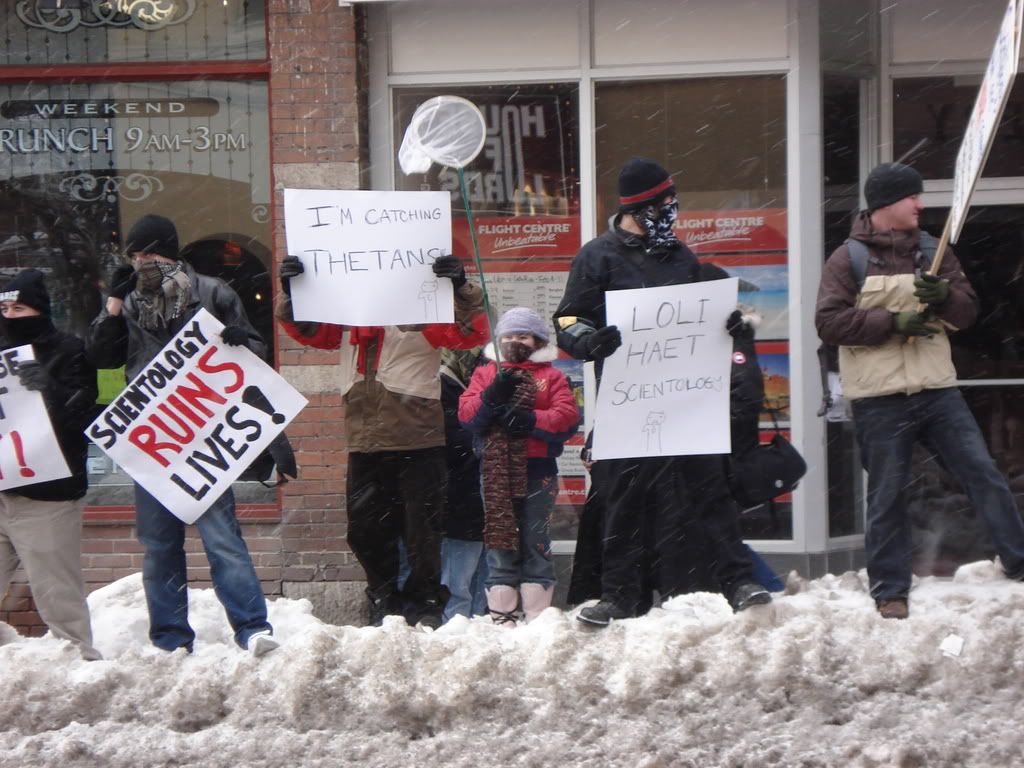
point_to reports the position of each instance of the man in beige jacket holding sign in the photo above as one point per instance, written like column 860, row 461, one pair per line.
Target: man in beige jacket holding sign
column 895, row 364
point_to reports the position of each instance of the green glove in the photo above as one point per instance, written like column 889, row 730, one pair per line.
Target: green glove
column 931, row 289
column 913, row 324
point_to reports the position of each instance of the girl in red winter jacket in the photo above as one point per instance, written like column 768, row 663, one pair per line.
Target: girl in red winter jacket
column 520, row 419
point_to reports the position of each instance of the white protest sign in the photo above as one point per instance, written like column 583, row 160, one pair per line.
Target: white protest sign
column 29, row 451
column 988, row 108
column 195, row 418
column 368, row 256
column 665, row 391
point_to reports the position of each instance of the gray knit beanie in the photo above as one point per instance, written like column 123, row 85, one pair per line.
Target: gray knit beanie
column 521, row 320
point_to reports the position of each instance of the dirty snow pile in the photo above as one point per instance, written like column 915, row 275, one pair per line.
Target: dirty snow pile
column 817, row 679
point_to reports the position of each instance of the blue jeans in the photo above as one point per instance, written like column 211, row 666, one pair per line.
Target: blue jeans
column 531, row 563
column 463, row 570
column 165, row 579
column 887, row 428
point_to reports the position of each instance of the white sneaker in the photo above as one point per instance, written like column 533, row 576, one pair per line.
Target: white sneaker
column 261, row 643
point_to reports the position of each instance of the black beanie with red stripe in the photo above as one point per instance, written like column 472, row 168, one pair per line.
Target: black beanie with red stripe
column 643, row 182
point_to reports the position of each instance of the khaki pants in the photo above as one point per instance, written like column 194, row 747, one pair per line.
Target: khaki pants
column 46, row 537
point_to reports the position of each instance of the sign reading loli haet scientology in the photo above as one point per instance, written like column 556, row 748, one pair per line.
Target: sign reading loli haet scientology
column 195, row 418
column 665, row 391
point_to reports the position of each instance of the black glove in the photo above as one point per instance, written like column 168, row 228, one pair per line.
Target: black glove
column 235, row 336
column 735, row 324
column 913, row 324
column 32, row 376
column 602, row 342
column 518, row 422
column 931, row 289
column 450, row 267
column 291, row 267
column 122, row 281
column 501, row 390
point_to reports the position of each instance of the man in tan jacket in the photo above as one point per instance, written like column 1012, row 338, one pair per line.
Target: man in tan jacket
column 896, row 367
column 394, row 425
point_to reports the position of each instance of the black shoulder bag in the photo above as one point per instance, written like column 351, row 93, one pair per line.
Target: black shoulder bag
column 766, row 471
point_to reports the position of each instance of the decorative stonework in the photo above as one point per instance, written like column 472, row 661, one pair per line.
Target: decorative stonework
column 89, row 188
column 68, row 15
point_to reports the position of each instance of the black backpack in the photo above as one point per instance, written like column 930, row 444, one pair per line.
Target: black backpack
column 828, row 354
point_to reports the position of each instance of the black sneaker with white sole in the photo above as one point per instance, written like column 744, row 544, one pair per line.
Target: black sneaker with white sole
column 747, row 594
column 602, row 614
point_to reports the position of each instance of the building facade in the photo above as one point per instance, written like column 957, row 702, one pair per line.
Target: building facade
column 769, row 115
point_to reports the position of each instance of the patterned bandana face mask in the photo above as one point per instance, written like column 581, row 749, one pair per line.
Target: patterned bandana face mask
column 657, row 223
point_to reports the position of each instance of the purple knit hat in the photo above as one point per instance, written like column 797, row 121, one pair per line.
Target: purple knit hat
column 521, row 320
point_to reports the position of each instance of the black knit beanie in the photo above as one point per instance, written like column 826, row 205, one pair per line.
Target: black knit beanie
column 28, row 288
column 153, row 234
column 889, row 183
column 643, row 182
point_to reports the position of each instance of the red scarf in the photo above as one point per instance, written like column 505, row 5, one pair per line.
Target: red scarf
column 361, row 337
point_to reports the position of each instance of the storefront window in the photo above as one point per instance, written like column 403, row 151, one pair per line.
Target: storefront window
column 930, row 115
column 524, row 193
column 79, row 163
column 724, row 141
column 55, row 32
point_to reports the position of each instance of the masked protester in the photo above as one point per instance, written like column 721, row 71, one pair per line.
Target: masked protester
column 648, row 500
column 520, row 419
column 150, row 301
column 41, row 523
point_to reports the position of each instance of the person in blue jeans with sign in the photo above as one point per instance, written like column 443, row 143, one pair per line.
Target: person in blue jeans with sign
column 149, row 302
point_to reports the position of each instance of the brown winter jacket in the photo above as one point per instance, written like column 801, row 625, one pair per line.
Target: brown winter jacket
column 394, row 403
column 874, row 360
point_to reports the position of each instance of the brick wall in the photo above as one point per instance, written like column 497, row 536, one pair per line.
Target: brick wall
column 318, row 125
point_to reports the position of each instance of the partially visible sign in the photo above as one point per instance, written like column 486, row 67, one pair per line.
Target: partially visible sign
column 368, row 256
column 29, row 451
column 988, row 108
column 665, row 391
column 195, row 418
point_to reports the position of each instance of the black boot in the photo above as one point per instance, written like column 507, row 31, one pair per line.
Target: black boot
column 383, row 601
column 602, row 614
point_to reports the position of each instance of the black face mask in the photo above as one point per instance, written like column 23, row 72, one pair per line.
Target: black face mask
column 515, row 351
column 25, row 330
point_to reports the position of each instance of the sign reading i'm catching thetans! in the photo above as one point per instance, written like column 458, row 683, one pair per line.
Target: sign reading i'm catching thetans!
column 195, row 418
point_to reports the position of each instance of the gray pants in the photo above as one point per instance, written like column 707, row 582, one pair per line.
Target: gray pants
column 46, row 537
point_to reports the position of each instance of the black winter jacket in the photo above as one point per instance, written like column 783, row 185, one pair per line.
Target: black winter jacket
column 613, row 261
column 71, row 403
column 117, row 340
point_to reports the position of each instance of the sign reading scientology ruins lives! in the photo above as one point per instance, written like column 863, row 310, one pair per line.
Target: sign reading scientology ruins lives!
column 368, row 256
column 665, row 391
column 195, row 418
column 29, row 451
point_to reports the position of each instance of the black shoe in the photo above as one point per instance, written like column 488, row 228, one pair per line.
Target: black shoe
column 602, row 614
column 747, row 594
column 424, row 613
column 382, row 603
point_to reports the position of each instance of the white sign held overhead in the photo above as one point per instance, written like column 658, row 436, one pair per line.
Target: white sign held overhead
column 29, row 451
column 665, row 391
column 195, row 418
column 368, row 256
column 984, row 120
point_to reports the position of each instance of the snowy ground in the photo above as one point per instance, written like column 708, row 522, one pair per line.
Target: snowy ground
column 818, row 680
